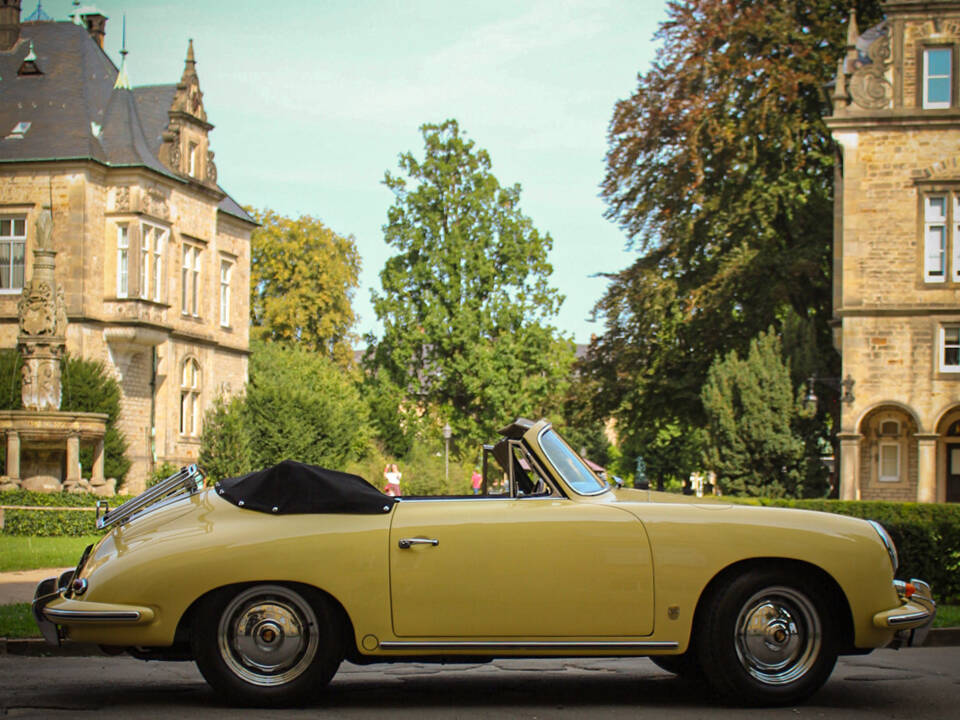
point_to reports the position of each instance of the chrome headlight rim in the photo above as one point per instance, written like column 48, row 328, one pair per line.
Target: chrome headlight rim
column 888, row 544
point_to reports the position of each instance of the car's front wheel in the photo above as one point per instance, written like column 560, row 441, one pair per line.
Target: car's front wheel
column 766, row 638
column 267, row 644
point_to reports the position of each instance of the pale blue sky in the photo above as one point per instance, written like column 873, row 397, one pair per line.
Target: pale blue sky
column 313, row 101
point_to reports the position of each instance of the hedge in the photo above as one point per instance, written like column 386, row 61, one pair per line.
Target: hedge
column 51, row 523
column 927, row 535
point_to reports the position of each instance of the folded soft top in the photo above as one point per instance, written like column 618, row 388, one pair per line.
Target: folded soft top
column 293, row 487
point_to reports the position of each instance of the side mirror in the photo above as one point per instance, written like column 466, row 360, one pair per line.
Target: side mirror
column 617, row 481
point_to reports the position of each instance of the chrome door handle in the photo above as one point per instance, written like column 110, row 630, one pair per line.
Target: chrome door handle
column 409, row 542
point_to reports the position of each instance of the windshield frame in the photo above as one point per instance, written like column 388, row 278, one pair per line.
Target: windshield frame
column 604, row 486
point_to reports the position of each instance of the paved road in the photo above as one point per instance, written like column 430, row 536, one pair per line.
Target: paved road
column 916, row 683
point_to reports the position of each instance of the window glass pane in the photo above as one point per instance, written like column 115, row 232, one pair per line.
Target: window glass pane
column 4, row 265
column 936, row 209
column 19, row 228
column 16, row 274
column 955, row 461
column 951, row 347
column 938, row 61
column 5, row 227
column 936, row 250
column 938, row 90
column 889, row 461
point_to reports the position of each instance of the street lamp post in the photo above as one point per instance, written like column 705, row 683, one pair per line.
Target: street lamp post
column 447, row 432
column 844, row 387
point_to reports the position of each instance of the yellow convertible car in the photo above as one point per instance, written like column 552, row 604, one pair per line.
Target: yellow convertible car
column 270, row 580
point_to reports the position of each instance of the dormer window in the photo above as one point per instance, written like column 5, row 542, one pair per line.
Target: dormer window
column 937, row 78
column 19, row 130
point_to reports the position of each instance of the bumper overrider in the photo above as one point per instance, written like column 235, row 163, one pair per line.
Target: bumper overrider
column 913, row 618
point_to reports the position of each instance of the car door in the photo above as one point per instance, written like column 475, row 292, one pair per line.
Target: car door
column 518, row 567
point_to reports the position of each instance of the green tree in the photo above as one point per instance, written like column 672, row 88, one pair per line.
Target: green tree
column 395, row 428
column 720, row 170
column 225, row 443
column 87, row 386
column 302, row 279
column 10, row 380
column 302, row 406
column 465, row 302
column 754, row 418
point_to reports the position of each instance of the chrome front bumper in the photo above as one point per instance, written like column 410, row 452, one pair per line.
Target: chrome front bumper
column 913, row 618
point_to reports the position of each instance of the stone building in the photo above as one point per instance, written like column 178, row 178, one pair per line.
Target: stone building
column 153, row 256
column 896, row 119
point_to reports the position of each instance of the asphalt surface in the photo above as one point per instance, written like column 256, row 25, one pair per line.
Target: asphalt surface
column 910, row 684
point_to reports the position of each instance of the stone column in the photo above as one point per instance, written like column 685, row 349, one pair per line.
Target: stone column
column 73, row 458
column 96, row 475
column 849, row 465
column 13, row 455
column 926, row 467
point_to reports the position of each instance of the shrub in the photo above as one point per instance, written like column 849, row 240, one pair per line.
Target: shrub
column 225, row 444
column 302, row 406
column 51, row 523
column 87, row 386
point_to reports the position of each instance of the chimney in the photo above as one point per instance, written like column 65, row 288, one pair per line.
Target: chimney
column 9, row 24
column 96, row 23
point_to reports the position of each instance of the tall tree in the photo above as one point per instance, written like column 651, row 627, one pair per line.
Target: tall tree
column 754, row 425
column 302, row 279
column 720, row 170
column 465, row 301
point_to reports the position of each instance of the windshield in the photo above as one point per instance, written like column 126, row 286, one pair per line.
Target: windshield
column 571, row 468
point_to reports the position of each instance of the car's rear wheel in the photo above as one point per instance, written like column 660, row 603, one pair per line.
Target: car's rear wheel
column 268, row 644
column 766, row 638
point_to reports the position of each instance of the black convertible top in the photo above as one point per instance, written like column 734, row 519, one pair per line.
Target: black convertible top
column 293, row 487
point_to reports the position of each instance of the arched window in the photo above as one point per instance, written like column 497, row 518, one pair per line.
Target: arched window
column 190, row 398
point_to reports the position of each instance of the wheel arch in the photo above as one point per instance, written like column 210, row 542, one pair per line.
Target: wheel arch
column 185, row 623
column 837, row 599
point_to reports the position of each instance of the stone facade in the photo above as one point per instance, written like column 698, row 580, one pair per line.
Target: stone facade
column 153, row 257
column 896, row 120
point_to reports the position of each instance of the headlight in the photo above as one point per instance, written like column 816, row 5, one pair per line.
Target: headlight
column 888, row 543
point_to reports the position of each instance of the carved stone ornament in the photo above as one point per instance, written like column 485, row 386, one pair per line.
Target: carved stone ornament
column 41, row 383
column 37, row 309
column 122, row 202
column 869, row 87
column 211, row 169
column 155, row 202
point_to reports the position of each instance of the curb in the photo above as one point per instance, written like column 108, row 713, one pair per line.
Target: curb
column 35, row 647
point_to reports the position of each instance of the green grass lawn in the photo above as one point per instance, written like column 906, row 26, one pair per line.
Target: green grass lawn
column 16, row 621
column 947, row 616
column 19, row 552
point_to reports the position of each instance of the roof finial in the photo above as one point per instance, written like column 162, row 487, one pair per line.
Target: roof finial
column 190, row 65
column 123, row 80
column 77, row 20
column 853, row 32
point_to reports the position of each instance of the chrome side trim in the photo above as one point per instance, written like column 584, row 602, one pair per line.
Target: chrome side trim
column 521, row 645
column 908, row 618
column 95, row 616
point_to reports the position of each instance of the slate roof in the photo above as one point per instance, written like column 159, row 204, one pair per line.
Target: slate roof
column 73, row 109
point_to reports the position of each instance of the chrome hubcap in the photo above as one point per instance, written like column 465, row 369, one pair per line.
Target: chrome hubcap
column 268, row 635
column 778, row 635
